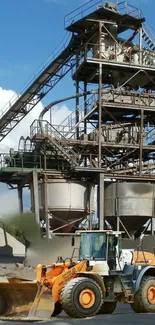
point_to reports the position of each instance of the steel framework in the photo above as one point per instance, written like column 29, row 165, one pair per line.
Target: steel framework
column 112, row 131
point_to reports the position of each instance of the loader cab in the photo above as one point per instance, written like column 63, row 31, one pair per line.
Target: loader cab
column 101, row 246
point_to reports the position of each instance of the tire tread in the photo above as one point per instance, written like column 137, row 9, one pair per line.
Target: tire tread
column 139, row 306
column 66, row 297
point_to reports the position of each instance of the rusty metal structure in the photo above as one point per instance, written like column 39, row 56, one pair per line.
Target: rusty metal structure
column 110, row 51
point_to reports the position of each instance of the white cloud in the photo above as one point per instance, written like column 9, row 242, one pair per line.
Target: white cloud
column 23, row 128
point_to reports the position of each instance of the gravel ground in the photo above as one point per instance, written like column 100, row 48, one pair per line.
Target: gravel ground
column 122, row 316
column 16, row 270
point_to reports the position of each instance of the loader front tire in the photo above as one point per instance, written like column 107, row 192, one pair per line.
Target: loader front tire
column 144, row 300
column 108, row 308
column 81, row 297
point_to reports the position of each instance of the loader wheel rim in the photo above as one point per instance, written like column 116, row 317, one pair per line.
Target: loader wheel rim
column 87, row 298
column 151, row 295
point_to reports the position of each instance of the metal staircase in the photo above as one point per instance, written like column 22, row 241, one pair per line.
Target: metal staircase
column 56, row 139
column 58, row 66
column 148, row 37
column 69, row 125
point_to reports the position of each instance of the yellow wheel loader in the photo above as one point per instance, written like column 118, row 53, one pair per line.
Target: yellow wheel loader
column 103, row 275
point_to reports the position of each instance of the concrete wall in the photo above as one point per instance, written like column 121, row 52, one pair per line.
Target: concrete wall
column 18, row 249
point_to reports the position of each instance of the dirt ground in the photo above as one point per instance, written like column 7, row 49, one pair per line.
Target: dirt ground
column 16, row 270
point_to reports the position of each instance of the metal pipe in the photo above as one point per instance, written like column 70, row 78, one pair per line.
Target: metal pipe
column 58, row 101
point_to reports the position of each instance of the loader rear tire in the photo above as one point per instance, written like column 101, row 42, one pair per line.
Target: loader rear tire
column 57, row 309
column 81, row 297
column 3, row 304
column 108, row 308
column 144, row 300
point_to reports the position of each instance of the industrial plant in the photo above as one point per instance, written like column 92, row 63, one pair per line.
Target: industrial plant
column 108, row 140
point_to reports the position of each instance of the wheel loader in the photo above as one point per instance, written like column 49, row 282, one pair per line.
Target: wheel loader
column 103, row 275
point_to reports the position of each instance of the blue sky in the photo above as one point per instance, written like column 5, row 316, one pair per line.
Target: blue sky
column 30, row 31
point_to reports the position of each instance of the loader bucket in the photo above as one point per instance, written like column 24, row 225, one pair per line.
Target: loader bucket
column 43, row 305
column 21, row 300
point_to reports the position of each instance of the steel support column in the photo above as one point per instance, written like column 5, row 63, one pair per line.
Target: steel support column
column 140, row 46
column 91, row 206
column 20, row 197
column 35, row 196
column 85, row 112
column 100, row 97
column 152, row 226
column 85, row 107
column 77, row 98
column 100, row 201
column 46, row 214
column 117, row 209
column 141, row 142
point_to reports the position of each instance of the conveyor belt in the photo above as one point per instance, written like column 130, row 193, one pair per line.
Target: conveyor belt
column 39, row 87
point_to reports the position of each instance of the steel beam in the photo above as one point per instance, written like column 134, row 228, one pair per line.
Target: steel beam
column 100, row 201
column 46, row 214
column 141, row 142
column 100, row 97
column 35, row 196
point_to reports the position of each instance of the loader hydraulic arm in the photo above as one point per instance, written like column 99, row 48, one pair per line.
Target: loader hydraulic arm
column 52, row 270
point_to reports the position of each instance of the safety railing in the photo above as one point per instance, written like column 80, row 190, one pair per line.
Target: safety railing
column 121, row 6
column 82, row 11
column 72, row 134
column 115, row 134
column 84, row 109
column 123, row 97
column 125, row 8
column 127, row 55
column 121, row 168
column 116, row 166
column 56, row 138
column 21, row 161
column 36, row 74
